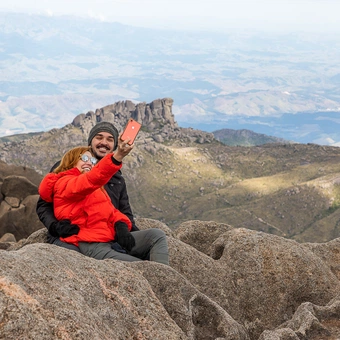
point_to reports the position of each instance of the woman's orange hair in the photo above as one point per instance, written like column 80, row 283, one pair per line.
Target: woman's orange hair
column 71, row 158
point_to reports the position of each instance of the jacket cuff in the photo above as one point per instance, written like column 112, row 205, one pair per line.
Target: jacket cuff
column 114, row 161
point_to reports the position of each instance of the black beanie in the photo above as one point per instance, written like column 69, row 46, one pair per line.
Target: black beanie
column 104, row 127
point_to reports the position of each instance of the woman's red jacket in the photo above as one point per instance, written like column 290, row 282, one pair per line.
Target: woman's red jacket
column 82, row 199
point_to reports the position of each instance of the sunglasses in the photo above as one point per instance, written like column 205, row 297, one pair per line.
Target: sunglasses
column 86, row 158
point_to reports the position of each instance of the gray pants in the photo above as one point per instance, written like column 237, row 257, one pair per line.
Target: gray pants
column 60, row 243
column 70, row 246
column 150, row 242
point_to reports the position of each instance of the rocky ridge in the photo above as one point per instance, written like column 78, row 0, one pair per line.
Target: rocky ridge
column 42, row 149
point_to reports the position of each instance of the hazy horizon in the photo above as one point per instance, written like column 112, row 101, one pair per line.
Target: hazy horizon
column 284, row 85
column 213, row 15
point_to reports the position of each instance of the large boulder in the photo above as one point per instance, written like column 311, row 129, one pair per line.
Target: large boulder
column 329, row 253
column 20, row 221
column 48, row 292
column 258, row 278
column 147, row 223
column 310, row 321
column 63, row 295
column 267, row 277
column 18, row 186
column 201, row 234
column 197, row 315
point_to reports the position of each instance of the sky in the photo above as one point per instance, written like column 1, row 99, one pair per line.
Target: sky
column 214, row 15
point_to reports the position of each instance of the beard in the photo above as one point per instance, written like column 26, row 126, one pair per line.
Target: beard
column 99, row 156
column 95, row 154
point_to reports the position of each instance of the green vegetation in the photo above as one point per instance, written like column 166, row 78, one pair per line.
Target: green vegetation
column 336, row 199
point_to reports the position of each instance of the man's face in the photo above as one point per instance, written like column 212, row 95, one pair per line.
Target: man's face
column 102, row 144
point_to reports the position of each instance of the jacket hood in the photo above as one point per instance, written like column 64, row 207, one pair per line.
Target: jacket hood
column 46, row 187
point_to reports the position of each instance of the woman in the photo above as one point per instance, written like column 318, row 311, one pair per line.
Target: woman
column 76, row 190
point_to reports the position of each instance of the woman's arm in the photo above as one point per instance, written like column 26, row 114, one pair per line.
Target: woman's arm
column 75, row 185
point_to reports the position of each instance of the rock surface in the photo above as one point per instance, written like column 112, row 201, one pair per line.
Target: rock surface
column 19, row 219
column 252, row 286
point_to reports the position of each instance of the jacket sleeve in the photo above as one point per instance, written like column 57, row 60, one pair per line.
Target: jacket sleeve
column 45, row 212
column 76, row 187
column 46, row 215
column 123, row 218
column 46, row 187
column 125, row 208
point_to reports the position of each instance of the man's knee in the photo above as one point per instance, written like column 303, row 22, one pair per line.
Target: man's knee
column 157, row 233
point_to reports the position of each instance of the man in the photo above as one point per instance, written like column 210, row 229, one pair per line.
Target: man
column 103, row 139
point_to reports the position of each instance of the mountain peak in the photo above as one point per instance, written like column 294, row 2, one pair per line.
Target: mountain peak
column 152, row 116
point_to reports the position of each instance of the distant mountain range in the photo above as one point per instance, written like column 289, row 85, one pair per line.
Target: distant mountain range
column 245, row 137
column 53, row 68
column 225, row 136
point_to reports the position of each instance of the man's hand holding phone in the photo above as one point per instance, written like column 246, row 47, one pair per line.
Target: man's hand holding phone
column 126, row 139
column 123, row 149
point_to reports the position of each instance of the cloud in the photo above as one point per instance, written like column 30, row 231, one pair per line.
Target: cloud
column 306, row 129
column 326, row 140
column 332, row 119
column 96, row 16
column 49, row 12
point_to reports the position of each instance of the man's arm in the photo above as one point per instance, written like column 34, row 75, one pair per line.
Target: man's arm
column 45, row 212
column 125, row 208
column 46, row 216
column 56, row 228
column 116, row 189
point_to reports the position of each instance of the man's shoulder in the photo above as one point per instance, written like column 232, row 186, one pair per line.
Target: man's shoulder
column 55, row 165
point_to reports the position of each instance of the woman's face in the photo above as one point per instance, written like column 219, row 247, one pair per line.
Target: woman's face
column 86, row 162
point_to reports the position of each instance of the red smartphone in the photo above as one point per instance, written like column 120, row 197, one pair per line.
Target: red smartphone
column 131, row 130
